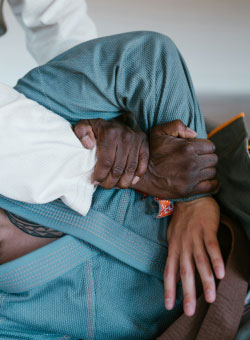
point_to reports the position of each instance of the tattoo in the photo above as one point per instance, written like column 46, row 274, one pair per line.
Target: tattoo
column 31, row 228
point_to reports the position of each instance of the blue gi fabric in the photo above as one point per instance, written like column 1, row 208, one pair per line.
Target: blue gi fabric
column 105, row 280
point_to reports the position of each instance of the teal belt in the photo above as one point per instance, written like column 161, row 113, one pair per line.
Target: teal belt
column 99, row 232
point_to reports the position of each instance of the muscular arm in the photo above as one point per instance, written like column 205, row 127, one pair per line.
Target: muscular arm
column 16, row 242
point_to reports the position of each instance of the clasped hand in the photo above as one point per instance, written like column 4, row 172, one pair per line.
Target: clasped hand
column 174, row 165
column 170, row 167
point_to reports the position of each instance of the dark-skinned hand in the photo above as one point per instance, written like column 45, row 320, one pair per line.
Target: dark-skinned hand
column 178, row 167
column 122, row 153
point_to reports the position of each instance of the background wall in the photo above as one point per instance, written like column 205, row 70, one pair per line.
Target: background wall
column 213, row 36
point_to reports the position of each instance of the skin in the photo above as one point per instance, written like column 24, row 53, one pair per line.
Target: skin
column 192, row 233
column 122, row 154
column 156, row 170
column 15, row 243
column 192, row 237
column 178, row 167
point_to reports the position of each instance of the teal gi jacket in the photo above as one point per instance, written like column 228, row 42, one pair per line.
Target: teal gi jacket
column 105, row 279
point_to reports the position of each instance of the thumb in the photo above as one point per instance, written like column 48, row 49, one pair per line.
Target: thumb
column 84, row 133
column 176, row 128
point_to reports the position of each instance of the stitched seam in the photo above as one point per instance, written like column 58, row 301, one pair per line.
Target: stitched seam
column 67, row 220
column 2, row 306
column 35, row 276
column 106, row 230
column 77, row 219
column 91, row 303
column 65, row 337
column 122, row 211
column 49, row 278
column 41, row 273
column 37, row 260
column 107, row 240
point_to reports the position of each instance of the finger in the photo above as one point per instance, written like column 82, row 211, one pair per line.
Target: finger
column 203, row 146
column 118, row 168
column 130, row 168
column 205, row 271
column 209, row 173
column 188, row 283
column 85, row 134
column 105, row 160
column 170, row 278
column 176, row 128
column 142, row 162
column 208, row 161
column 205, row 187
column 214, row 252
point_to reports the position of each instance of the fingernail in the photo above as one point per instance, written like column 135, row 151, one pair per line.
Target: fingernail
column 189, row 309
column 168, row 303
column 96, row 183
column 220, row 273
column 135, row 180
column 87, row 141
column 209, row 296
column 192, row 132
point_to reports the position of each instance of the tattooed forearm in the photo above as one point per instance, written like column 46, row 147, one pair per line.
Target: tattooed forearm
column 31, row 228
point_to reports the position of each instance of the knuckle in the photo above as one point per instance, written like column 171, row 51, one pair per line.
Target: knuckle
column 106, row 185
column 211, row 173
column 217, row 262
column 188, row 297
column 178, row 124
column 144, row 155
column 131, row 168
column 127, row 137
column 105, row 144
column 111, row 132
column 212, row 244
column 208, row 283
column 185, row 272
column 168, row 291
column 117, row 171
column 173, row 250
column 107, row 164
column 216, row 158
column 124, row 185
column 200, row 260
column 189, row 148
column 167, row 271
column 191, row 165
column 212, row 145
column 141, row 172
column 99, row 177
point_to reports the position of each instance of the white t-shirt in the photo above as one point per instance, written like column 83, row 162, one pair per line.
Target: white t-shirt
column 41, row 159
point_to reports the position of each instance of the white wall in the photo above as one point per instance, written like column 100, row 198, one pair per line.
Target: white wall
column 213, row 36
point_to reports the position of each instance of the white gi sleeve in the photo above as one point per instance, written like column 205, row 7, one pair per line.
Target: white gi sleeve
column 53, row 26
column 41, row 159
